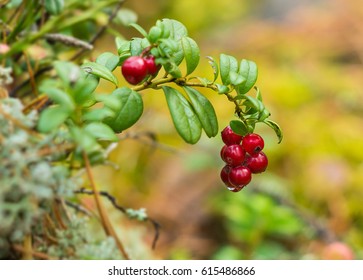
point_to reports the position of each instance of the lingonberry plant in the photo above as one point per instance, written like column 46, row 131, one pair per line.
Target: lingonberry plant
column 73, row 126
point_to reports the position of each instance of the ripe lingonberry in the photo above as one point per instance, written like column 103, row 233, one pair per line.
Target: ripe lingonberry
column 222, row 152
column 234, row 155
column 134, row 69
column 253, row 143
column 257, row 163
column 239, row 176
column 152, row 67
column 229, row 137
column 224, row 176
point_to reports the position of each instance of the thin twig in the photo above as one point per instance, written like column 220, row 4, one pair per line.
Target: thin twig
column 68, row 40
column 104, row 218
column 112, row 199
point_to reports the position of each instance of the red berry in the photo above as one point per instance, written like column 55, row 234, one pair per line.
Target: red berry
column 134, row 69
column 229, row 137
column 152, row 68
column 233, row 155
column 224, row 177
column 224, row 174
column 222, row 152
column 257, row 163
column 239, row 176
column 253, row 143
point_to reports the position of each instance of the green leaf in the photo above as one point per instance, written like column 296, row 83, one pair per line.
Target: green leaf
column 184, row 118
column 68, row 72
column 101, row 131
column 126, row 16
column 222, row 89
column 276, row 128
column 130, row 111
column 254, row 103
column 139, row 28
column 58, row 96
column 258, row 94
column 248, row 69
column 98, row 114
column 154, row 34
column 110, row 100
column 264, row 115
column 238, row 127
column 83, row 91
column 215, row 67
column 100, row 71
column 52, row 117
column 177, row 29
column 84, row 139
column 191, row 53
column 204, row 110
column 122, row 45
column 137, row 45
column 109, row 60
column 173, row 69
column 227, row 64
column 236, row 79
column 54, row 7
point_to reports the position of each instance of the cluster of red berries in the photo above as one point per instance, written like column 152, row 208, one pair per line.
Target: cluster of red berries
column 136, row 68
column 243, row 156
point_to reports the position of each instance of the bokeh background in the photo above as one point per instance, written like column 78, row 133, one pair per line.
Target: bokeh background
column 310, row 56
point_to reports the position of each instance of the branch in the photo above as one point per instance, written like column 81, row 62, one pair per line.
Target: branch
column 112, row 199
column 104, row 218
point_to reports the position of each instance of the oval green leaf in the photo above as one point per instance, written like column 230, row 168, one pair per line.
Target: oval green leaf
column 101, row 131
column 184, row 118
column 130, row 111
column 204, row 110
column 54, row 7
column 191, row 53
column 248, row 69
column 109, row 60
column 51, row 118
column 227, row 64
column 100, row 71
column 238, row 127
column 58, row 96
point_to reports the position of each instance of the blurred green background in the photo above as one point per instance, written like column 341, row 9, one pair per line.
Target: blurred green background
column 310, row 56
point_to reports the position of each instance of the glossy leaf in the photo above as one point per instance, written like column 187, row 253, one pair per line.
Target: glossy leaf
column 276, row 128
column 137, row 45
column 52, row 117
column 236, row 79
column 191, row 53
column 130, row 111
column 177, row 29
column 122, row 45
column 100, row 71
column 204, row 110
column 101, row 131
column 184, row 118
column 248, row 69
column 227, row 64
column 109, row 60
column 239, row 127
